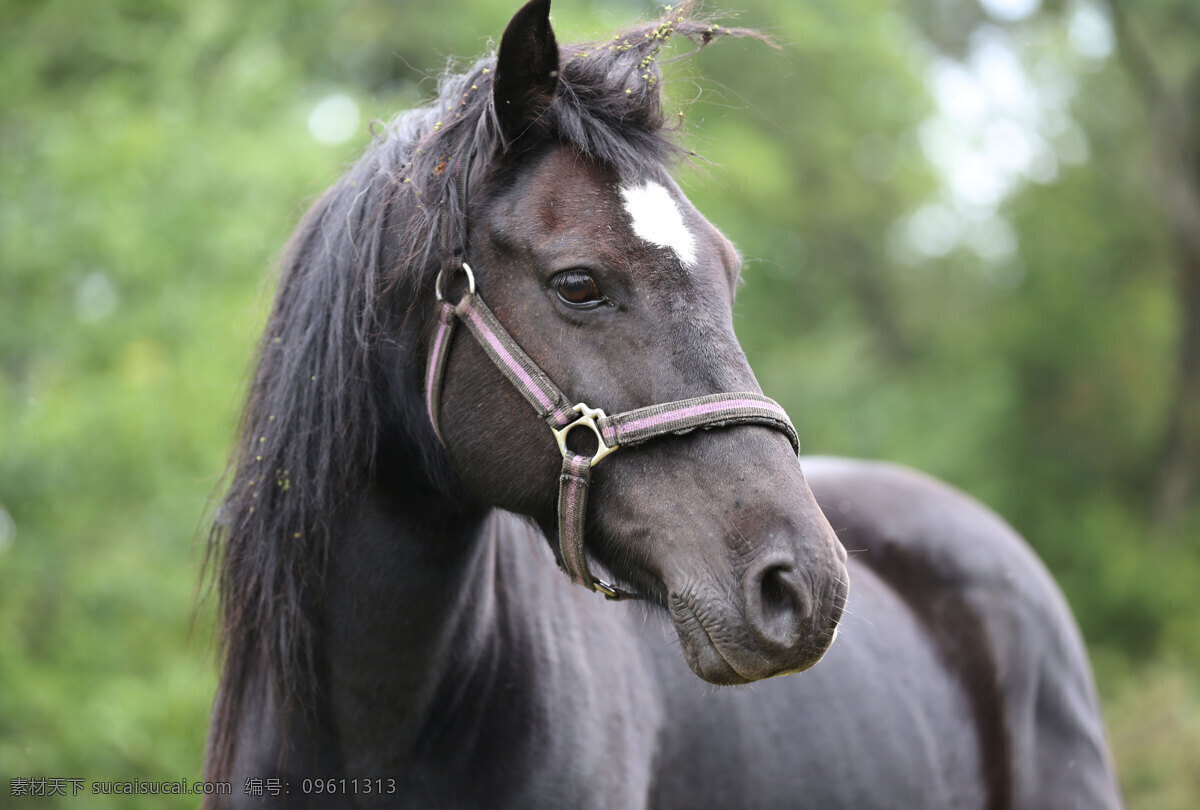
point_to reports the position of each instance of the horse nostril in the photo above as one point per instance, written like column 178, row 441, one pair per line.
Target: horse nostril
column 777, row 599
column 778, row 606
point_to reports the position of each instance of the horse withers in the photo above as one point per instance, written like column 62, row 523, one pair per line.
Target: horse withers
column 504, row 341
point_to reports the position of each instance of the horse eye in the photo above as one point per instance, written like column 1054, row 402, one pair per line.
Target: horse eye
column 577, row 288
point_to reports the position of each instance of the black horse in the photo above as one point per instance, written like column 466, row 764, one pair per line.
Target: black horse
column 395, row 630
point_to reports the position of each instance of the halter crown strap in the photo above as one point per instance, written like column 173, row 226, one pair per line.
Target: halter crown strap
column 453, row 226
column 626, row 429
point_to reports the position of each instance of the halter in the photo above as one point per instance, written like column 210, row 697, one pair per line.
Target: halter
column 627, row 429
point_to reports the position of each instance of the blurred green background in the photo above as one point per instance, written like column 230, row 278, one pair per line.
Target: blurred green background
column 972, row 247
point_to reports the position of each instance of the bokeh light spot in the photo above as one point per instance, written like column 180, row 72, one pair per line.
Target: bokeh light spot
column 8, row 530
column 334, row 119
column 96, row 298
column 1010, row 10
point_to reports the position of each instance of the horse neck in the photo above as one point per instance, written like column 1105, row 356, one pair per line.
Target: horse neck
column 449, row 641
column 409, row 600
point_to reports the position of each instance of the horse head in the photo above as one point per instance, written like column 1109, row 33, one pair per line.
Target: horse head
column 621, row 293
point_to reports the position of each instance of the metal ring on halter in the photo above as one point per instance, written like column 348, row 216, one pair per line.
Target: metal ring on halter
column 466, row 268
column 588, row 417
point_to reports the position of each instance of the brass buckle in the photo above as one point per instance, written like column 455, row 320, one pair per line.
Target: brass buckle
column 610, row 592
column 588, row 417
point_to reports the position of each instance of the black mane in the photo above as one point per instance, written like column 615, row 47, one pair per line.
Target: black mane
column 315, row 414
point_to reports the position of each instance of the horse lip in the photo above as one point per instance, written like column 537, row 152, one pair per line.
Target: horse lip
column 707, row 651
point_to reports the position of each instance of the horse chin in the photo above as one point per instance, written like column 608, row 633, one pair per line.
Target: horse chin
column 699, row 650
column 708, row 664
column 713, row 653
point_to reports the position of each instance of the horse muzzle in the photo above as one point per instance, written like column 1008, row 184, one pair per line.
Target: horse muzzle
column 781, row 620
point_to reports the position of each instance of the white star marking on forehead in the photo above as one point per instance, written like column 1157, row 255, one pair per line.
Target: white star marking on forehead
column 657, row 219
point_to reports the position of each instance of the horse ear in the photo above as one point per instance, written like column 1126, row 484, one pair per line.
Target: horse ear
column 526, row 69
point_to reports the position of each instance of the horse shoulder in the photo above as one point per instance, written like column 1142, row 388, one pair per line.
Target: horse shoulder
column 997, row 618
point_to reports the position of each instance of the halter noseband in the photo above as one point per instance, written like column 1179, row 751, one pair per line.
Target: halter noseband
column 627, row 429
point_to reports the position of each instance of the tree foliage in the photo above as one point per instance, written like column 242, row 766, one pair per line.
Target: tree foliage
column 157, row 153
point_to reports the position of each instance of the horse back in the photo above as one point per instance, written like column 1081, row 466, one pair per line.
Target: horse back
column 996, row 619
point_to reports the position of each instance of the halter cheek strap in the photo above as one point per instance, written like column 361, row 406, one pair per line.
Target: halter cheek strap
column 626, row 429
